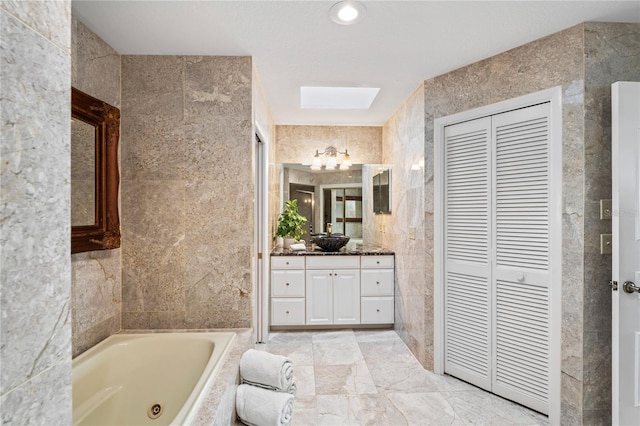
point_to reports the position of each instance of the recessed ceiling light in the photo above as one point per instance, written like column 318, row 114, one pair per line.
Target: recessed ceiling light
column 337, row 97
column 347, row 12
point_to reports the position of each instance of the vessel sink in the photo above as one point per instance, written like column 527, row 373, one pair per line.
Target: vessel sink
column 333, row 242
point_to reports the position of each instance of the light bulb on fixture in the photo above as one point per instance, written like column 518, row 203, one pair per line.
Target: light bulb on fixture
column 347, row 12
column 316, row 164
column 346, row 161
column 331, row 163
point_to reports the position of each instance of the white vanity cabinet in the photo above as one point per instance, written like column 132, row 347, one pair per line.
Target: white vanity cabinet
column 377, row 290
column 287, row 291
column 320, row 290
column 333, row 290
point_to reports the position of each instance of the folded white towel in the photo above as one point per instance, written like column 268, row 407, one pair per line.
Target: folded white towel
column 263, row 407
column 267, row 370
column 298, row 246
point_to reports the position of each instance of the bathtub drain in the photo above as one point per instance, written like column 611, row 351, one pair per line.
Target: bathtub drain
column 155, row 410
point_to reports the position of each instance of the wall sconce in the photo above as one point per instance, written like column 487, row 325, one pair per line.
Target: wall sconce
column 331, row 153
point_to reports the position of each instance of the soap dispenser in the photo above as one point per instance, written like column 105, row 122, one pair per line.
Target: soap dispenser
column 328, row 228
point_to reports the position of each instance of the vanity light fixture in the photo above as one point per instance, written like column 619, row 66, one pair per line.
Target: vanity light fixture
column 331, row 153
column 347, row 12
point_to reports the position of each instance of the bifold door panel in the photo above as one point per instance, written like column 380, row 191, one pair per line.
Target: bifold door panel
column 497, row 253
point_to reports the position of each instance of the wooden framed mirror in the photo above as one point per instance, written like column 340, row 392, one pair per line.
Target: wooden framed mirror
column 95, row 130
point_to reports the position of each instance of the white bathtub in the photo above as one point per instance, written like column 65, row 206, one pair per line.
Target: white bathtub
column 126, row 377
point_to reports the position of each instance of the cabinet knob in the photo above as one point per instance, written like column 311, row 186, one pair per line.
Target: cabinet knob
column 286, row 263
column 287, row 312
column 377, row 262
column 377, row 310
column 378, row 282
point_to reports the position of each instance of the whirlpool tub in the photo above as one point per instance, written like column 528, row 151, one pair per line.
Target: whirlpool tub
column 146, row 379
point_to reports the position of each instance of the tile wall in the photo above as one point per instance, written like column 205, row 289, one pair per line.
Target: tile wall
column 187, row 192
column 556, row 60
column 95, row 276
column 297, row 144
column 404, row 230
column 612, row 53
column 584, row 60
column 35, row 276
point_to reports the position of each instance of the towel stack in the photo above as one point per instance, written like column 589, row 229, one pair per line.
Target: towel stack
column 265, row 395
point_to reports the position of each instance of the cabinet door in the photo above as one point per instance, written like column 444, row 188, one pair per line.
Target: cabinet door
column 287, row 311
column 346, row 296
column 287, row 283
column 377, row 310
column 319, row 301
column 377, row 282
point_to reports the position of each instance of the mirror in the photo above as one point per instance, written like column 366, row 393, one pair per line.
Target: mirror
column 95, row 130
column 83, row 173
column 382, row 191
column 342, row 207
column 342, row 198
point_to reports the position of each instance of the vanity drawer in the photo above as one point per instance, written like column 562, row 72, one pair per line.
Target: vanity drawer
column 288, row 311
column 376, row 282
column 333, row 262
column 287, row 283
column 287, row 262
column 377, row 261
column 376, row 310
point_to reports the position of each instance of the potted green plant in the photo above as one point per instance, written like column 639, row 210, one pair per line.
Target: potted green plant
column 290, row 223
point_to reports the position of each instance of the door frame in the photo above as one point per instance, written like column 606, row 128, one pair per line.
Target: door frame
column 621, row 139
column 261, row 236
column 554, row 97
column 335, row 186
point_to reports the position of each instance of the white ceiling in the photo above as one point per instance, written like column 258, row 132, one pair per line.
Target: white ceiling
column 398, row 45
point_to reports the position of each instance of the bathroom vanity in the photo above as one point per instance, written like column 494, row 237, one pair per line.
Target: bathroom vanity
column 352, row 287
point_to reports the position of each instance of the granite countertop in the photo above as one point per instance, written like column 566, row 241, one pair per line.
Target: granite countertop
column 354, row 249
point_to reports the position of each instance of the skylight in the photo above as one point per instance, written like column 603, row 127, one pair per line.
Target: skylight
column 337, row 97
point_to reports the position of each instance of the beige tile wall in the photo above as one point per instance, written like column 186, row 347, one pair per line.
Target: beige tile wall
column 556, row 60
column 584, row 60
column 187, row 192
column 403, row 139
column 297, row 144
column 612, row 53
column 96, row 276
column 35, row 276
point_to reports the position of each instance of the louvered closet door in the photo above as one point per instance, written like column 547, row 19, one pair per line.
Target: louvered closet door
column 521, row 270
column 467, row 252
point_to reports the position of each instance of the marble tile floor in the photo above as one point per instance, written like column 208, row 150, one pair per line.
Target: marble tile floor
column 370, row 377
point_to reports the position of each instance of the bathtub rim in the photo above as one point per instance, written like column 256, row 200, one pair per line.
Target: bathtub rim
column 192, row 406
column 189, row 411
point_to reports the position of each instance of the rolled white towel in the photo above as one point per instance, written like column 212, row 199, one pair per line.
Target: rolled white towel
column 263, row 407
column 293, row 388
column 266, row 370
